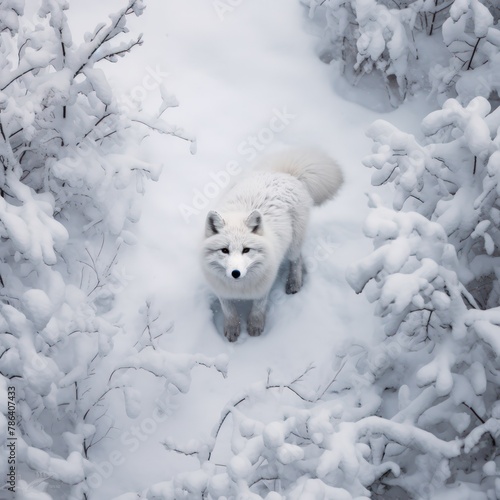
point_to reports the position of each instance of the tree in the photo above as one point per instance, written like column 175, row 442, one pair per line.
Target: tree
column 69, row 192
column 472, row 37
column 432, row 277
column 393, row 39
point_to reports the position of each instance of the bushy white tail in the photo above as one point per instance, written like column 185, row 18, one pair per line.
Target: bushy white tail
column 320, row 174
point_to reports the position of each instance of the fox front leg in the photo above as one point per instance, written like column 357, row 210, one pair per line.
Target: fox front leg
column 294, row 279
column 231, row 320
column 257, row 317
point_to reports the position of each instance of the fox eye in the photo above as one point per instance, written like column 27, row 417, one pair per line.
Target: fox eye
column 246, row 250
column 224, row 250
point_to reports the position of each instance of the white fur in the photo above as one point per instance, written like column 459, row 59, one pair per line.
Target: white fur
column 267, row 214
column 320, row 174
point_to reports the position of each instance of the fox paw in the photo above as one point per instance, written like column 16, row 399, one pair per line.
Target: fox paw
column 293, row 286
column 232, row 331
column 255, row 325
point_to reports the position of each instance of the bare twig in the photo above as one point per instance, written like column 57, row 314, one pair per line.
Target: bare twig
column 230, row 407
column 332, row 381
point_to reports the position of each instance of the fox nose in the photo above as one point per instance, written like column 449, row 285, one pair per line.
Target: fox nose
column 236, row 274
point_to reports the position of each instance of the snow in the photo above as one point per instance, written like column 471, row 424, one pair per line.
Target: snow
column 477, row 377
column 38, row 307
column 274, row 435
column 288, row 453
column 489, row 468
column 483, row 18
column 99, row 84
column 489, row 333
column 239, row 467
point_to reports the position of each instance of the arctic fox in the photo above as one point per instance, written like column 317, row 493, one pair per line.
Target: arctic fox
column 260, row 222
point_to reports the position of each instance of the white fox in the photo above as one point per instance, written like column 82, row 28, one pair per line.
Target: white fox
column 260, row 222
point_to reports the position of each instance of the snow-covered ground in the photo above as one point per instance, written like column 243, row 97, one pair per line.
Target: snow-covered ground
column 234, row 78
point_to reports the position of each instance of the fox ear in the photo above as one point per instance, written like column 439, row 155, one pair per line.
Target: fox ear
column 254, row 222
column 214, row 223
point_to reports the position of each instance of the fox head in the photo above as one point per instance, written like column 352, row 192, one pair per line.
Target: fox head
column 235, row 247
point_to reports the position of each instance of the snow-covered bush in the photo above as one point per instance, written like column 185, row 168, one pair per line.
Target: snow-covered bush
column 472, row 36
column 445, row 362
column 393, row 39
column 342, row 441
column 433, row 278
column 309, row 447
column 451, row 179
column 367, row 36
column 69, row 190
